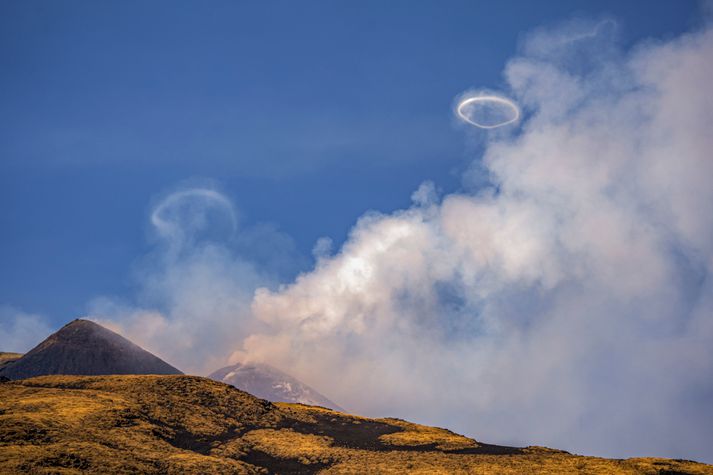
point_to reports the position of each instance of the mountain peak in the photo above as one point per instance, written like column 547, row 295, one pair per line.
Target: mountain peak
column 267, row 382
column 83, row 347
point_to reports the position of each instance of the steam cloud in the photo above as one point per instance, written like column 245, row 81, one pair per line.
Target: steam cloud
column 570, row 303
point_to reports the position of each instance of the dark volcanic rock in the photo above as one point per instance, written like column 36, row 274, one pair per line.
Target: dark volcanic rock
column 270, row 383
column 85, row 348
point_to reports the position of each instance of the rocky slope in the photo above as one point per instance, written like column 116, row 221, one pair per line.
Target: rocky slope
column 269, row 383
column 190, row 425
column 83, row 347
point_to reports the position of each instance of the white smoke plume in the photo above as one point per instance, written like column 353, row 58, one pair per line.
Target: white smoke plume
column 568, row 304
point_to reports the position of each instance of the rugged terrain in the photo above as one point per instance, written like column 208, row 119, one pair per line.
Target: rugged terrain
column 84, row 347
column 186, row 424
column 270, row 383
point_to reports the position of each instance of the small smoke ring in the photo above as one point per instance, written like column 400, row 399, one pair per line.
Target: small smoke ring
column 488, row 99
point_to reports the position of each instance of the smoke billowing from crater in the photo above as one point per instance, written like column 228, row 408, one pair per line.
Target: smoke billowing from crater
column 570, row 302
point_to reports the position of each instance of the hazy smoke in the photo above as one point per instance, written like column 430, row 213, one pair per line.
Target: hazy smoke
column 181, row 215
column 570, row 303
column 19, row 330
column 196, row 287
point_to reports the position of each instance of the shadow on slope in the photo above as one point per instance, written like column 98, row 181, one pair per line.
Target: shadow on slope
column 185, row 424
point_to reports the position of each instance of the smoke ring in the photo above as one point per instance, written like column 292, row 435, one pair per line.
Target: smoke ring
column 167, row 227
column 488, row 99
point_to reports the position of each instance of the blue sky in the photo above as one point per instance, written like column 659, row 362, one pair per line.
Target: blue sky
column 306, row 114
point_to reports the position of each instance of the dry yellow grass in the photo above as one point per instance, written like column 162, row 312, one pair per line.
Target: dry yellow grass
column 8, row 358
column 5, row 356
column 308, row 449
column 418, row 435
column 183, row 424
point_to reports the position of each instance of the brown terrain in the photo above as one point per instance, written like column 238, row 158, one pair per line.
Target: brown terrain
column 186, row 424
column 104, row 405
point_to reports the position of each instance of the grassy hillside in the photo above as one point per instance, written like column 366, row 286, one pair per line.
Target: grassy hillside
column 7, row 358
column 185, row 424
